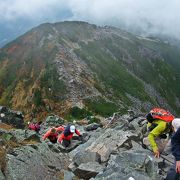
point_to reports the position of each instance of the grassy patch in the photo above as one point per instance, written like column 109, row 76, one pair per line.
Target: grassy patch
column 77, row 113
column 101, row 107
column 6, row 126
column 27, row 142
column 2, row 159
column 94, row 120
column 37, row 98
column 6, row 96
column 8, row 144
column 50, row 82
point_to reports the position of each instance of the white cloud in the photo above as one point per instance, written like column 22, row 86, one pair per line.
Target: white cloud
column 149, row 15
column 34, row 9
column 153, row 16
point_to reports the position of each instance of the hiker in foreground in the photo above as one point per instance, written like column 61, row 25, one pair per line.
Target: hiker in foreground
column 158, row 126
column 174, row 172
column 53, row 133
column 67, row 134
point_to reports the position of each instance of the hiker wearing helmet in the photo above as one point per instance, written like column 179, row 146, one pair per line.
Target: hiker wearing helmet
column 53, row 133
column 174, row 172
column 67, row 134
column 158, row 126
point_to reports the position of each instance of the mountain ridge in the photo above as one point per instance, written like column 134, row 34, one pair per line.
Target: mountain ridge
column 62, row 65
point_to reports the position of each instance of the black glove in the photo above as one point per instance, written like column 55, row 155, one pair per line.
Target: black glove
column 163, row 136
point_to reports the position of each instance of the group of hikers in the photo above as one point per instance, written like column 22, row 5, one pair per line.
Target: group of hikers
column 59, row 134
column 65, row 137
column 160, row 123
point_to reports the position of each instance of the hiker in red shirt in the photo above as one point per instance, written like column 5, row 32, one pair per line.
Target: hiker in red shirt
column 53, row 133
column 66, row 136
column 35, row 126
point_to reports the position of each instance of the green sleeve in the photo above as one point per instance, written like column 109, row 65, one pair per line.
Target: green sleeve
column 159, row 129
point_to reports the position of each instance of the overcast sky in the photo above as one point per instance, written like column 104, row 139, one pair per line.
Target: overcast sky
column 155, row 16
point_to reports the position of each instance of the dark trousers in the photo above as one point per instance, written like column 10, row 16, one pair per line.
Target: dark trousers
column 66, row 143
column 172, row 175
column 53, row 140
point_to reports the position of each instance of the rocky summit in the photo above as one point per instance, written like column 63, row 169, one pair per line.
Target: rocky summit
column 55, row 68
column 111, row 149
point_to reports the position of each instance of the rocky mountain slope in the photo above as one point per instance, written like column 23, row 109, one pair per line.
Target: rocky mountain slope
column 54, row 67
column 110, row 150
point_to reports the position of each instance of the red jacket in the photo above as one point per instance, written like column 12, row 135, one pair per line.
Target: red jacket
column 69, row 137
column 35, row 127
column 51, row 135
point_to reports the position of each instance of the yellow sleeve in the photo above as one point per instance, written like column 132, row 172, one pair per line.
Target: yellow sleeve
column 159, row 129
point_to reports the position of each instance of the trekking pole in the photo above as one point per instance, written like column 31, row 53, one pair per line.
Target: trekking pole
column 112, row 118
column 152, row 152
column 108, row 123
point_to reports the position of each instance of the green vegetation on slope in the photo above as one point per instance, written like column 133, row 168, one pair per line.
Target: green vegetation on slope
column 112, row 73
column 50, row 82
column 102, row 107
column 77, row 113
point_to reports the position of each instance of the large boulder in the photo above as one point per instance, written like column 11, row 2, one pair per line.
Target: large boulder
column 92, row 127
column 130, row 165
column 109, row 142
column 34, row 162
column 82, row 147
column 22, row 135
column 53, row 120
column 68, row 175
column 14, row 118
column 88, row 170
column 85, row 157
column 86, row 164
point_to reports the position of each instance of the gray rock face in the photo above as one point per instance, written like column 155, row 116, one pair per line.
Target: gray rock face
column 14, row 118
column 73, row 145
column 34, row 162
column 92, row 127
column 54, row 120
column 2, row 176
column 50, row 121
column 82, row 148
column 112, row 154
column 72, row 167
column 68, row 175
column 130, row 165
column 84, row 157
column 22, row 135
column 108, row 142
column 88, row 170
column 3, row 109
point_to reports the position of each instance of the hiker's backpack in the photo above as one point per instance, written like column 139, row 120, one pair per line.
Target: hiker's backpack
column 162, row 114
column 67, row 130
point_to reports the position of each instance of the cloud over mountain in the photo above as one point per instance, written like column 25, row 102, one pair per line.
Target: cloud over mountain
column 149, row 16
